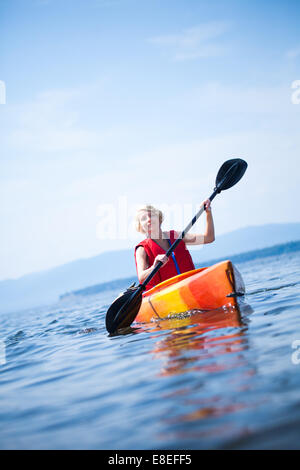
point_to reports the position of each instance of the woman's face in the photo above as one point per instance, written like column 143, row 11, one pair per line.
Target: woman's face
column 150, row 223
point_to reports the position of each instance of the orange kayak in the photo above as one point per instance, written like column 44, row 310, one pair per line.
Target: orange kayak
column 202, row 289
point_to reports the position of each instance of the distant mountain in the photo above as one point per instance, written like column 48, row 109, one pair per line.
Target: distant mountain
column 247, row 239
column 46, row 286
column 122, row 284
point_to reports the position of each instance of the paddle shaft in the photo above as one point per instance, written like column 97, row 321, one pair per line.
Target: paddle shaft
column 168, row 253
column 217, row 190
column 178, row 240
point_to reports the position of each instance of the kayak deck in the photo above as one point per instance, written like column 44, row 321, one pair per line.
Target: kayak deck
column 202, row 289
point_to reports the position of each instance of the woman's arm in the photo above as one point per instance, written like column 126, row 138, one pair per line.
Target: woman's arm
column 143, row 269
column 209, row 235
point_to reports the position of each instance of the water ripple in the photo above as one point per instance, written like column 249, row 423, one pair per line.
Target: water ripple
column 220, row 379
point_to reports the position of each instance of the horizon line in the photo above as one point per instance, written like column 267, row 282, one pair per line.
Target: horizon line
column 44, row 270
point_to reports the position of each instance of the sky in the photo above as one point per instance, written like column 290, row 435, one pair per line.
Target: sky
column 107, row 105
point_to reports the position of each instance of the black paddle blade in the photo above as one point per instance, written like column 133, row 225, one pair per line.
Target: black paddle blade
column 119, row 315
column 230, row 173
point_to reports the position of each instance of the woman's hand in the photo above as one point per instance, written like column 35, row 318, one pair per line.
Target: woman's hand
column 163, row 258
column 207, row 205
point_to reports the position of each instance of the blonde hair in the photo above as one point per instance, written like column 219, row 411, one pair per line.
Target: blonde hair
column 147, row 208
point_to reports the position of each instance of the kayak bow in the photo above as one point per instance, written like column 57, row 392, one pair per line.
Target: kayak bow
column 202, row 289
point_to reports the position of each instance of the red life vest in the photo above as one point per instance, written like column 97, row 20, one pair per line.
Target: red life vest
column 182, row 257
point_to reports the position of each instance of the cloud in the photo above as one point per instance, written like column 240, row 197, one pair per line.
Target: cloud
column 51, row 122
column 216, row 97
column 108, row 3
column 42, row 2
column 293, row 53
column 194, row 43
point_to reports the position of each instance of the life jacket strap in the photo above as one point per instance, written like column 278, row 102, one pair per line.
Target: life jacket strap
column 174, row 259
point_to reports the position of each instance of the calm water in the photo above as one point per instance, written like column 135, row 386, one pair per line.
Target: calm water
column 222, row 380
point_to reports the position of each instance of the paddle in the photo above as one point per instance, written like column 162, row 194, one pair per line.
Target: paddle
column 125, row 308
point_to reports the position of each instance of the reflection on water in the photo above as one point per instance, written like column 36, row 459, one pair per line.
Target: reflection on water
column 198, row 345
column 190, row 334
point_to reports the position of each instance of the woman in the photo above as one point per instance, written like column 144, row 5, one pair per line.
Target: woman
column 153, row 249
